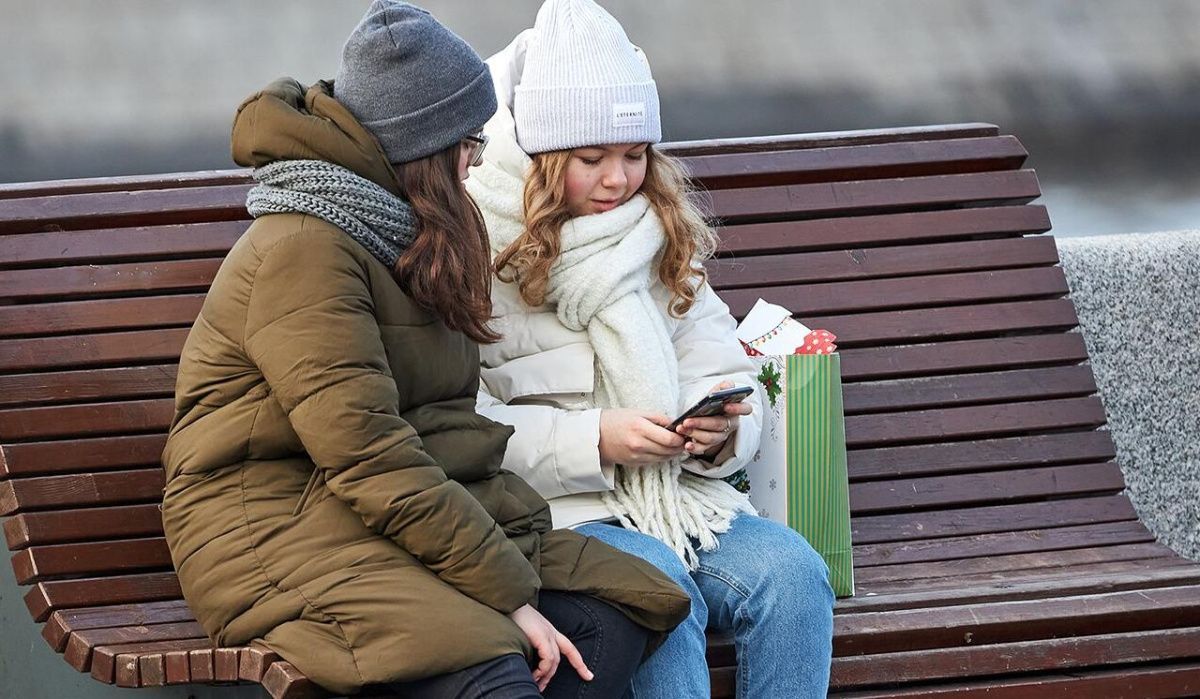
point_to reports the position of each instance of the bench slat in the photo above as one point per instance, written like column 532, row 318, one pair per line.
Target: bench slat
column 283, row 681
column 57, row 248
column 875, row 263
column 756, row 144
column 156, row 380
column 100, row 280
column 107, row 349
column 254, row 661
column 995, row 420
column 98, row 454
column 880, row 160
column 40, row 563
column 1149, row 682
column 1016, row 563
column 90, row 419
column 979, row 455
column 982, row 488
column 105, row 662
column 80, row 490
column 865, row 231
column 869, row 529
column 1004, row 658
column 78, row 653
column 117, row 209
column 801, row 201
column 931, row 391
column 1107, row 575
column 46, row 597
column 958, row 548
column 805, row 300
column 95, row 524
column 962, row 355
column 65, row 317
column 994, row 591
column 1020, row 620
column 64, row 622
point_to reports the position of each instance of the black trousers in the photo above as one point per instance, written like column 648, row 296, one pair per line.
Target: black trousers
column 611, row 646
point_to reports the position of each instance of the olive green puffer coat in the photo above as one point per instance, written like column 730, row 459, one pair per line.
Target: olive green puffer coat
column 330, row 488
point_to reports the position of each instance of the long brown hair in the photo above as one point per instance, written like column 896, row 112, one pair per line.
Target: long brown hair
column 447, row 269
column 529, row 258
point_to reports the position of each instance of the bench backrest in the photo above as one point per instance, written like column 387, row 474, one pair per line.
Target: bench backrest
column 971, row 417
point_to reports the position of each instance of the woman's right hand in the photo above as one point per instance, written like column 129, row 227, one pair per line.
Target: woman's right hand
column 636, row 438
column 550, row 646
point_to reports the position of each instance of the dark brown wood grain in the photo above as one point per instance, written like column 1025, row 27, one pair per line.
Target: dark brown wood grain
column 78, row 653
column 868, row 529
column 1018, row 620
column 80, row 455
column 40, row 563
column 766, row 144
column 985, row 488
column 155, row 207
column 865, row 231
column 92, row 524
column 1024, row 656
column 103, row 315
column 951, row 548
column 980, row 455
column 55, row 248
column 991, row 420
column 92, row 281
column 65, row 621
column 876, row 263
column 157, row 380
column 81, row 490
column 1144, row 682
column 104, row 658
column 868, row 161
column 88, row 420
column 46, row 597
column 800, row 201
column 79, row 351
column 966, row 389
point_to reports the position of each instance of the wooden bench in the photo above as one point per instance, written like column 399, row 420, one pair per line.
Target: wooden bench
column 995, row 552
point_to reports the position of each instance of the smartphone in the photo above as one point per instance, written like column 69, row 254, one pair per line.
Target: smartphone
column 713, row 404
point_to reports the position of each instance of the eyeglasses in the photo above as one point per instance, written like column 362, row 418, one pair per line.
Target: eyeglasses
column 475, row 143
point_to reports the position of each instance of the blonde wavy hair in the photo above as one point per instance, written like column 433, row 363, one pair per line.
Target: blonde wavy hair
column 527, row 261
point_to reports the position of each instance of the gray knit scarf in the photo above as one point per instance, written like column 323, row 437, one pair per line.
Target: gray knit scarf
column 380, row 221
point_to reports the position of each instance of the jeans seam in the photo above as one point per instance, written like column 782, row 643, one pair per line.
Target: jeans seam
column 726, row 578
column 743, row 668
column 597, row 649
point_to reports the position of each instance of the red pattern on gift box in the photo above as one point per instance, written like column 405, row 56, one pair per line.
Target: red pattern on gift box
column 818, row 342
column 750, row 351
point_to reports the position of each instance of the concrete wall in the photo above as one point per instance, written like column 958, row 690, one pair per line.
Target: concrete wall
column 1139, row 310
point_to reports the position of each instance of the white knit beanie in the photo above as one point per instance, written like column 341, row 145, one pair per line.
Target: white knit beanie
column 584, row 83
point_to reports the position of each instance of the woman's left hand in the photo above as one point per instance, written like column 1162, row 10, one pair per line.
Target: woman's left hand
column 706, row 435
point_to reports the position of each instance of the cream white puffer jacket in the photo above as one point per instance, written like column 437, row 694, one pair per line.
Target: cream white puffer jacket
column 540, row 377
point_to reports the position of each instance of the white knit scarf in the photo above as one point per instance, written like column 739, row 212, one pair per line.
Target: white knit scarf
column 601, row 284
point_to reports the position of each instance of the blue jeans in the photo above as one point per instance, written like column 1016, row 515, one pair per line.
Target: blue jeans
column 767, row 586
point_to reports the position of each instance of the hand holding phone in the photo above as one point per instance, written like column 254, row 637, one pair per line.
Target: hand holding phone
column 713, row 404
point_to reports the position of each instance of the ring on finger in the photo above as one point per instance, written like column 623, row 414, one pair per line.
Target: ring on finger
column 728, row 425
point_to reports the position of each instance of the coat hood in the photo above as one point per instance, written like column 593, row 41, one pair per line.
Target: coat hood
column 287, row 121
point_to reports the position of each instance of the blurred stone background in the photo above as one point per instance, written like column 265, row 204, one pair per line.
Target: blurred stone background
column 1105, row 94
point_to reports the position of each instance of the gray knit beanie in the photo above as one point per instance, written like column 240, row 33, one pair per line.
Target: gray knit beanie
column 412, row 82
column 584, row 83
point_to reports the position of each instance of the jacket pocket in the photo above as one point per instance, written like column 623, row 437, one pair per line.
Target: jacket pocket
column 567, row 369
column 315, row 490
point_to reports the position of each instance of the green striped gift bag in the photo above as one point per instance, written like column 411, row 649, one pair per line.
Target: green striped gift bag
column 798, row 477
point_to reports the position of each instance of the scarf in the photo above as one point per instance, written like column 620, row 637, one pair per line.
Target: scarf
column 601, row 284
column 380, row 221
